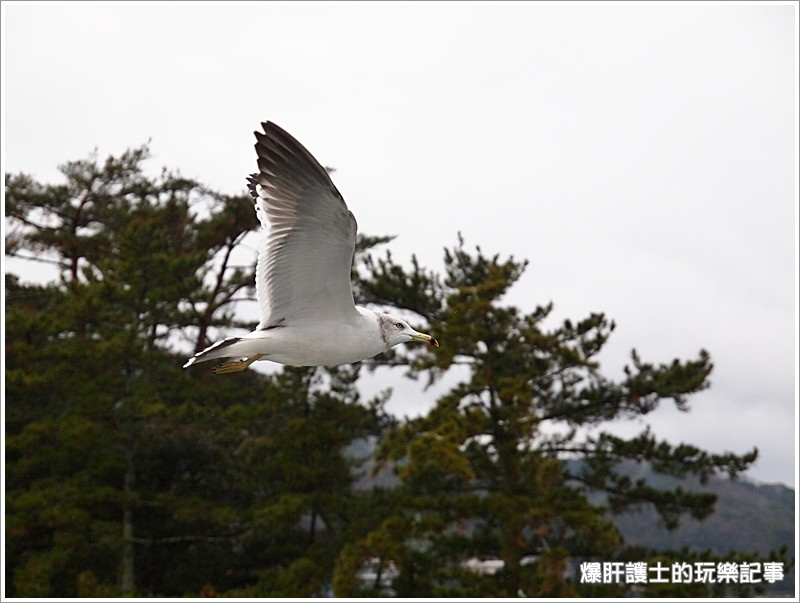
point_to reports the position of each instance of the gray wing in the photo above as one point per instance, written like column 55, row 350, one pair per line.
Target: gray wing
column 303, row 270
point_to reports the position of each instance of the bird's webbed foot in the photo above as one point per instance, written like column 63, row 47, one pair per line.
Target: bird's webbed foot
column 235, row 366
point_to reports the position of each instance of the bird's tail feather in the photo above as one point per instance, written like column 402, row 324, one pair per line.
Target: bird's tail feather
column 216, row 350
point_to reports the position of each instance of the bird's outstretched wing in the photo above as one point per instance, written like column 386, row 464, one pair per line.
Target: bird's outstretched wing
column 303, row 269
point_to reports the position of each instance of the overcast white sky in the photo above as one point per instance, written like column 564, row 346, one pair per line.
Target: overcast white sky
column 642, row 157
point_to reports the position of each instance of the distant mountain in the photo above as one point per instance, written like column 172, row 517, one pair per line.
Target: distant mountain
column 748, row 517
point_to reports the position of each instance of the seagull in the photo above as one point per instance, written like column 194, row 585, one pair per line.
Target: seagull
column 307, row 313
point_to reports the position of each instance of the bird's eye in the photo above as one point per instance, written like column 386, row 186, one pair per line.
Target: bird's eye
column 399, row 325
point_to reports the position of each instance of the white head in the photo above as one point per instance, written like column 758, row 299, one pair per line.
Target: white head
column 396, row 330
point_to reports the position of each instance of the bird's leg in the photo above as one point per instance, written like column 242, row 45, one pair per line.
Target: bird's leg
column 235, row 366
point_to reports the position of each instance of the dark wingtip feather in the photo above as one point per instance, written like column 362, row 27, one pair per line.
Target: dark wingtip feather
column 252, row 181
column 282, row 157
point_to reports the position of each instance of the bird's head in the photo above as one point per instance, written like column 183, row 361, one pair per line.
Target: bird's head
column 396, row 330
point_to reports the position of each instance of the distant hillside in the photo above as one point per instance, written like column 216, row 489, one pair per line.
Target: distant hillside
column 748, row 517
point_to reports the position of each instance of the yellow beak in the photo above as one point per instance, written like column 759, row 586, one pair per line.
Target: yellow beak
column 426, row 338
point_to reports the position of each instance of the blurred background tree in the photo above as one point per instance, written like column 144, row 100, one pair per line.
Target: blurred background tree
column 119, row 463
column 510, row 464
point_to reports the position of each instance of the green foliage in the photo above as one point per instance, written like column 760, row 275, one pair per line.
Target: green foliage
column 497, row 469
column 126, row 475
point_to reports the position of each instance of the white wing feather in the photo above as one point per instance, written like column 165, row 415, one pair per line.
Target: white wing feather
column 303, row 270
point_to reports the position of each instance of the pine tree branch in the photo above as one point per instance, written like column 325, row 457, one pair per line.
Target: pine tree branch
column 184, row 539
column 29, row 258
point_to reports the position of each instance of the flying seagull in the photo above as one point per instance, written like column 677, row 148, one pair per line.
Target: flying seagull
column 308, row 317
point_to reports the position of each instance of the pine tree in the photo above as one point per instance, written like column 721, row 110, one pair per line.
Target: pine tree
column 126, row 474
column 513, row 462
column 128, row 250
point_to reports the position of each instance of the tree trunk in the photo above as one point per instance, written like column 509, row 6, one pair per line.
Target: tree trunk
column 127, row 578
